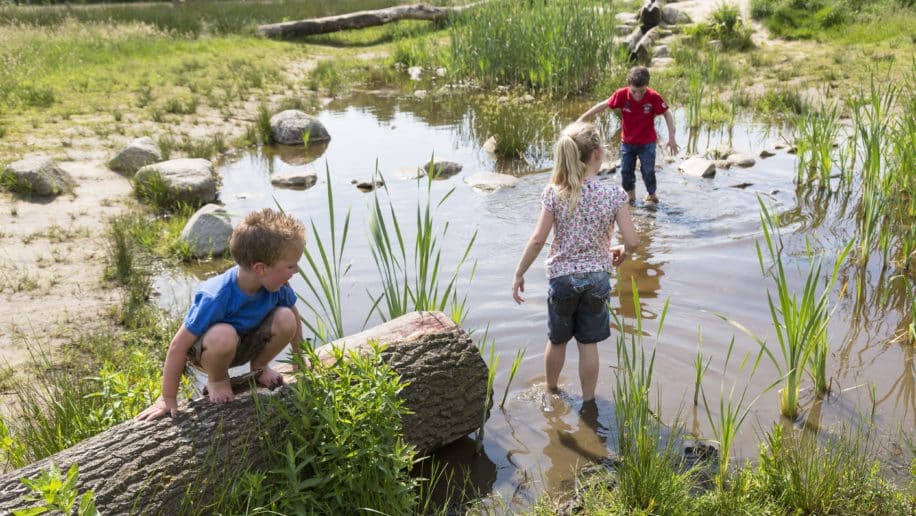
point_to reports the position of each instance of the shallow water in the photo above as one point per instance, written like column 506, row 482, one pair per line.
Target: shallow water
column 697, row 251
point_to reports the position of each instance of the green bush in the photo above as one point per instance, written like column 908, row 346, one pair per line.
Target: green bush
column 343, row 452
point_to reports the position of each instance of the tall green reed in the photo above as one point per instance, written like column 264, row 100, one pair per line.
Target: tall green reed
column 647, row 474
column 800, row 323
column 732, row 412
column 413, row 283
column 560, row 47
column 815, row 135
column 326, row 272
column 699, row 369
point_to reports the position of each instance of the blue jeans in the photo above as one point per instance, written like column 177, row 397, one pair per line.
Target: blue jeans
column 577, row 307
column 628, row 155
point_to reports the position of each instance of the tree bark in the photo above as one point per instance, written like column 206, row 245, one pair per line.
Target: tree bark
column 358, row 20
column 148, row 467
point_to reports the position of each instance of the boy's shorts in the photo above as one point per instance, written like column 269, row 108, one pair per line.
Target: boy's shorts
column 248, row 347
column 577, row 307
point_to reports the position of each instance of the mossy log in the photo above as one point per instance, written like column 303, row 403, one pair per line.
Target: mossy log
column 148, row 467
column 358, row 20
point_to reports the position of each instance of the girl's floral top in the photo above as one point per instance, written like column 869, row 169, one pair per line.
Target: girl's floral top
column 582, row 239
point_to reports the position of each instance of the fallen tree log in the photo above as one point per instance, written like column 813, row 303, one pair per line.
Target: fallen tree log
column 147, row 467
column 359, row 20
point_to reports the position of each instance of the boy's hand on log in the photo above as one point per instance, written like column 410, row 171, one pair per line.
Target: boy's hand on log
column 162, row 407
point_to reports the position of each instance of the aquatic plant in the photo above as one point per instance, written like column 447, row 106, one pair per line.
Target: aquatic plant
column 732, row 411
column 559, row 47
column 412, row 284
column 326, row 270
column 815, row 136
column 699, row 368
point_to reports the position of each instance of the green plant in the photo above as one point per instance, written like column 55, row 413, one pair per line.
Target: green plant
column 815, row 135
column 648, row 479
column 57, row 492
column 516, row 362
column 262, row 125
column 411, row 284
column 492, row 367
column 559, row 47
column 732, row 412
column 344, row 452
column 699, row 368
column 327, row 271
column 838, row 477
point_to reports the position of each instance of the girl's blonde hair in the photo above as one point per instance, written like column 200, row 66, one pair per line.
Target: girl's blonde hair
column 572, row 152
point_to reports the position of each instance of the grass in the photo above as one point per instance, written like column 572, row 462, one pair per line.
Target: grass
column 327, row 271
column 561, row 48
column 876, row 20
column 800, row 323
column 415, row 283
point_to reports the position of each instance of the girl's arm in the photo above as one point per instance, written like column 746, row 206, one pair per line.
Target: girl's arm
column 627, row 231
column 532, row 250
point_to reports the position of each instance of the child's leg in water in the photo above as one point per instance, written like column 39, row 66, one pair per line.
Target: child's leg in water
column 282, row 330
column 588, row 369
column 219, row 345
column 554, row 358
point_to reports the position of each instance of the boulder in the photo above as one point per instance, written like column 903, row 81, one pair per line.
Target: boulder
column 188, row 180
column 38, row 175
column 674, row 16
column 740, row 159
column 441, row 169
column 297, row 180
column 207, row 231
column 661, row 51
column 698, row 167
column 766, row 153
column 288, row 127
column 490, row 181
column 367, row 185
column 136, row 155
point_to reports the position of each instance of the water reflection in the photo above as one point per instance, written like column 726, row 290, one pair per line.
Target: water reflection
column 575, row 437
column 643, row 268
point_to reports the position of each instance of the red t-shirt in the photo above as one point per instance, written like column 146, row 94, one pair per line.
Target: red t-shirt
column 638, row 117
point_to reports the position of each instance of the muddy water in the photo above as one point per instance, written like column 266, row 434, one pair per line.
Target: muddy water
column 697, row 252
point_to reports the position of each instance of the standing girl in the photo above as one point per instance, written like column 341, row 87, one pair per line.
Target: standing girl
column 582, row 212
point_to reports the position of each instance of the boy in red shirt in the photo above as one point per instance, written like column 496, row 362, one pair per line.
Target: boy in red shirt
column 638, row 105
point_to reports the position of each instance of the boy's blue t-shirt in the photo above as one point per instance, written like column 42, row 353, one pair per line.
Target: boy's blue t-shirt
column 221, row 300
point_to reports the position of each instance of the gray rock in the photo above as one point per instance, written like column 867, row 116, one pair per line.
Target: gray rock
column 38, row 175
column 420, row 94
column 441, row 169
column 528, row 98
column 136, row 155
column 661, row 51
column 189, row 180
column 627, row 18
column 720, row 152
column 207, row 231
column 661, row 63
column 287, row 127
column 490, row 181
column 698, row 167
column 766, row 153
column 674, row 16
column 489, row 146
column 741, row 160
column 415, row 72
column 367, row 185
column 299, row 180
column 441, row 71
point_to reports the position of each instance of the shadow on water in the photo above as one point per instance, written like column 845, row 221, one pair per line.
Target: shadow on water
column 697, row 249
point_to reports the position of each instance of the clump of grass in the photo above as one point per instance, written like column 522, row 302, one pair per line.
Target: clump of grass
column 559, row 47
column 347, row 452
column 327, row 271
column 647, row 476
column 519, row 133
column 804, row 476
column 725, row 25
column 815, row 135
column 262, row 131
column 415, row 284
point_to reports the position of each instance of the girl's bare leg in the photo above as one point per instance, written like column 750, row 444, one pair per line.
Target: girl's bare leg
column 588, row 369
column 554, row 358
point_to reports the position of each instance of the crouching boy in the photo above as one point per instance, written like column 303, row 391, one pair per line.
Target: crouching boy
column 246, row 314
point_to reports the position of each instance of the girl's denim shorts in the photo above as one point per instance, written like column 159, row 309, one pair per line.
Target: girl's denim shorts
column 577, row 307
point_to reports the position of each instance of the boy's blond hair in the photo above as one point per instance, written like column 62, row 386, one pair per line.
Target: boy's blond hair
column 265, row 236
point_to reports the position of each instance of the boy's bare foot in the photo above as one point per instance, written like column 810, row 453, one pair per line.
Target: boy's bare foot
column 270, row 378
column 651, row 199
column 220, row 391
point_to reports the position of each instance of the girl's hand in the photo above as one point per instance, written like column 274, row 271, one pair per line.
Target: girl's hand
column 618, row 254
column 518, row 286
